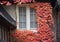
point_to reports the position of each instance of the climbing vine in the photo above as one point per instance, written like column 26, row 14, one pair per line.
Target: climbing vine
column 45, row 24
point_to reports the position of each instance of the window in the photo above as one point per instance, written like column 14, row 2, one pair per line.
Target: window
column 22, row 17
column 3, row 36
column 26, row 18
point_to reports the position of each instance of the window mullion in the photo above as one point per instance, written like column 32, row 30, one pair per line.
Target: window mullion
column 17, row 12
column 28, row 17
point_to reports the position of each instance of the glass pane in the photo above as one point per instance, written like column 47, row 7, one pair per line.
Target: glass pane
column 22, row 17
column 22, row 25
column 32, row 18
column 32, row 11
column 22, row 11
column 33, row 23
column 36, row 24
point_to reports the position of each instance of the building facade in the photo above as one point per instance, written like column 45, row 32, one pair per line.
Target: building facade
column 22, row 17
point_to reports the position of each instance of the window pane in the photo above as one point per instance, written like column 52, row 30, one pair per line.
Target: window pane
column 22, row 11
column 22, row 24
column 32, row 11
column 22, row 17
column 33, row 23
column 33, row 18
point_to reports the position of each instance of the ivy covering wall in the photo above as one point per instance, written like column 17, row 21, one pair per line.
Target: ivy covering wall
column 45, row 24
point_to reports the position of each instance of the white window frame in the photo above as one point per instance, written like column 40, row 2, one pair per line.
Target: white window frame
column 27, row 17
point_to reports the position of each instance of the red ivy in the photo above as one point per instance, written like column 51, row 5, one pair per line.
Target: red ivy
column 7, row 2
column 45, row 24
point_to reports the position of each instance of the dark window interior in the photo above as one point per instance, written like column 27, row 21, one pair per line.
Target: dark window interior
column 3, row 34
column 56, row 15
column 58, row 24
